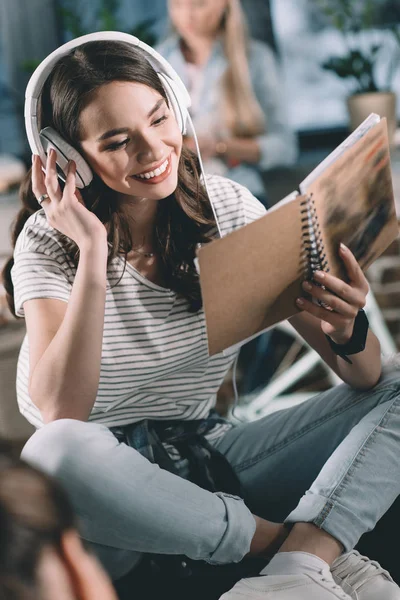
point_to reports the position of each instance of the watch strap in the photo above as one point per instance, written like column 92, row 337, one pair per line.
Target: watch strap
column 357, row 341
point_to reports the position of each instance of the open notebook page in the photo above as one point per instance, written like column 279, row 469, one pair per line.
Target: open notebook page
column 354, row 201
column 358, row 133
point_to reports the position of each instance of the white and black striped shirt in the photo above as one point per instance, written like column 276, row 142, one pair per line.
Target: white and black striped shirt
column 155, row 362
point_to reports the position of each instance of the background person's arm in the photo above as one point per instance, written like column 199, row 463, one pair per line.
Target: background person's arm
column 278, row 145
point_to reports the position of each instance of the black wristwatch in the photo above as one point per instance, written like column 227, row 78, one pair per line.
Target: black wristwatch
column 357, row 341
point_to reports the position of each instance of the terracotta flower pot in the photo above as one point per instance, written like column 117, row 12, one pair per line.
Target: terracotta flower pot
column 382, row 103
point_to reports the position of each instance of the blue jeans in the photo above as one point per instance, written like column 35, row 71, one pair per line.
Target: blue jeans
column 332, row 461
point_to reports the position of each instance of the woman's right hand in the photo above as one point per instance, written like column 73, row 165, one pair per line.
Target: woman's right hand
column 65, row 209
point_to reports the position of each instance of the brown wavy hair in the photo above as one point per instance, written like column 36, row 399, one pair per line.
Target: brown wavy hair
column 184, row 219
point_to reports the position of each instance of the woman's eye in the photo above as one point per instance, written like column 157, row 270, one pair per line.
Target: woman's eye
column 160, row 120
column 117, row 145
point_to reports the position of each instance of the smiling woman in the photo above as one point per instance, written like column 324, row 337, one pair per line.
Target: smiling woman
column 131, row 149
column 124, row 149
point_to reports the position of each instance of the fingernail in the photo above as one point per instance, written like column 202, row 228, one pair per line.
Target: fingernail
column 307, row 285
column 319, row 274
column 343, row 247
column 33, row 158
column 300, row 301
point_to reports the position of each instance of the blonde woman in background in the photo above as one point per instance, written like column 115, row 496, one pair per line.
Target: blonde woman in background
column 238, row 108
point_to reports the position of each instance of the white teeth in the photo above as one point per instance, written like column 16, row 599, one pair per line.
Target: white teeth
column 154, row 173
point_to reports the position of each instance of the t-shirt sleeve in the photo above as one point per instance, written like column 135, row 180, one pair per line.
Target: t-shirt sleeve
column 234, row 205
column 253, row 208
column 41, row 267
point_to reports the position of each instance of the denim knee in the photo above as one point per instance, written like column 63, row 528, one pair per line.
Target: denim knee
column 57, row 443
column 124, row 501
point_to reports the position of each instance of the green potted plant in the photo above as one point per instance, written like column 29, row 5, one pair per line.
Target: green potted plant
column 371, row 31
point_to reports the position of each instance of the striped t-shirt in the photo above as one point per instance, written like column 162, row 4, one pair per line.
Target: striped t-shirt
column 155, row 362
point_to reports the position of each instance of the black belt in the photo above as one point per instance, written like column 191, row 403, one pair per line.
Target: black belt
column 201, row 463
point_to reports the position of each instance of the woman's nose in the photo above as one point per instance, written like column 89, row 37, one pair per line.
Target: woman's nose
column 150, row 150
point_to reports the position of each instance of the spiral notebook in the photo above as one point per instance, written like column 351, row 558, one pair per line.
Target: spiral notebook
column 251, row 277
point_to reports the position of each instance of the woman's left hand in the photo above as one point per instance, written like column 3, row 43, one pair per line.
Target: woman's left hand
column 343, row 300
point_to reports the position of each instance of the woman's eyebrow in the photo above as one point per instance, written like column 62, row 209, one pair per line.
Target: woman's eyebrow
column 155, row 107
column 112, row 132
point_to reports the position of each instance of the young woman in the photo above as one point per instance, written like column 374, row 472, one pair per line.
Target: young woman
column 238, row 104
column 41, row 554
column 115, row 371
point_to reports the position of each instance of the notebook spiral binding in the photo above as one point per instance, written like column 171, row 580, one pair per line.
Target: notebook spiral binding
column 313, row 246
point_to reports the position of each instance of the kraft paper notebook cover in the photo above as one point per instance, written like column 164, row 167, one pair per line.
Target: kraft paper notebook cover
column 250, row 278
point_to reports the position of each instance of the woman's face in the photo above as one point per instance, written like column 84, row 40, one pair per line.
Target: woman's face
column 197, row 17
column 131, row 140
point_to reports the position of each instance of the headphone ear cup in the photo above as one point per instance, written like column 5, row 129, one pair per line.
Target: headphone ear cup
column 65, row 152
column 177, row 102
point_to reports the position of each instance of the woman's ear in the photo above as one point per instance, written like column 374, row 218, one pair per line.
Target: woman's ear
column 88, row 578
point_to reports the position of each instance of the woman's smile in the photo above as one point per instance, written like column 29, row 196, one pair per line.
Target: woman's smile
column 157, row 175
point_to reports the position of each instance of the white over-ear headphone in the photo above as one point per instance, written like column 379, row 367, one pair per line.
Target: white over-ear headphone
column 41, row 142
